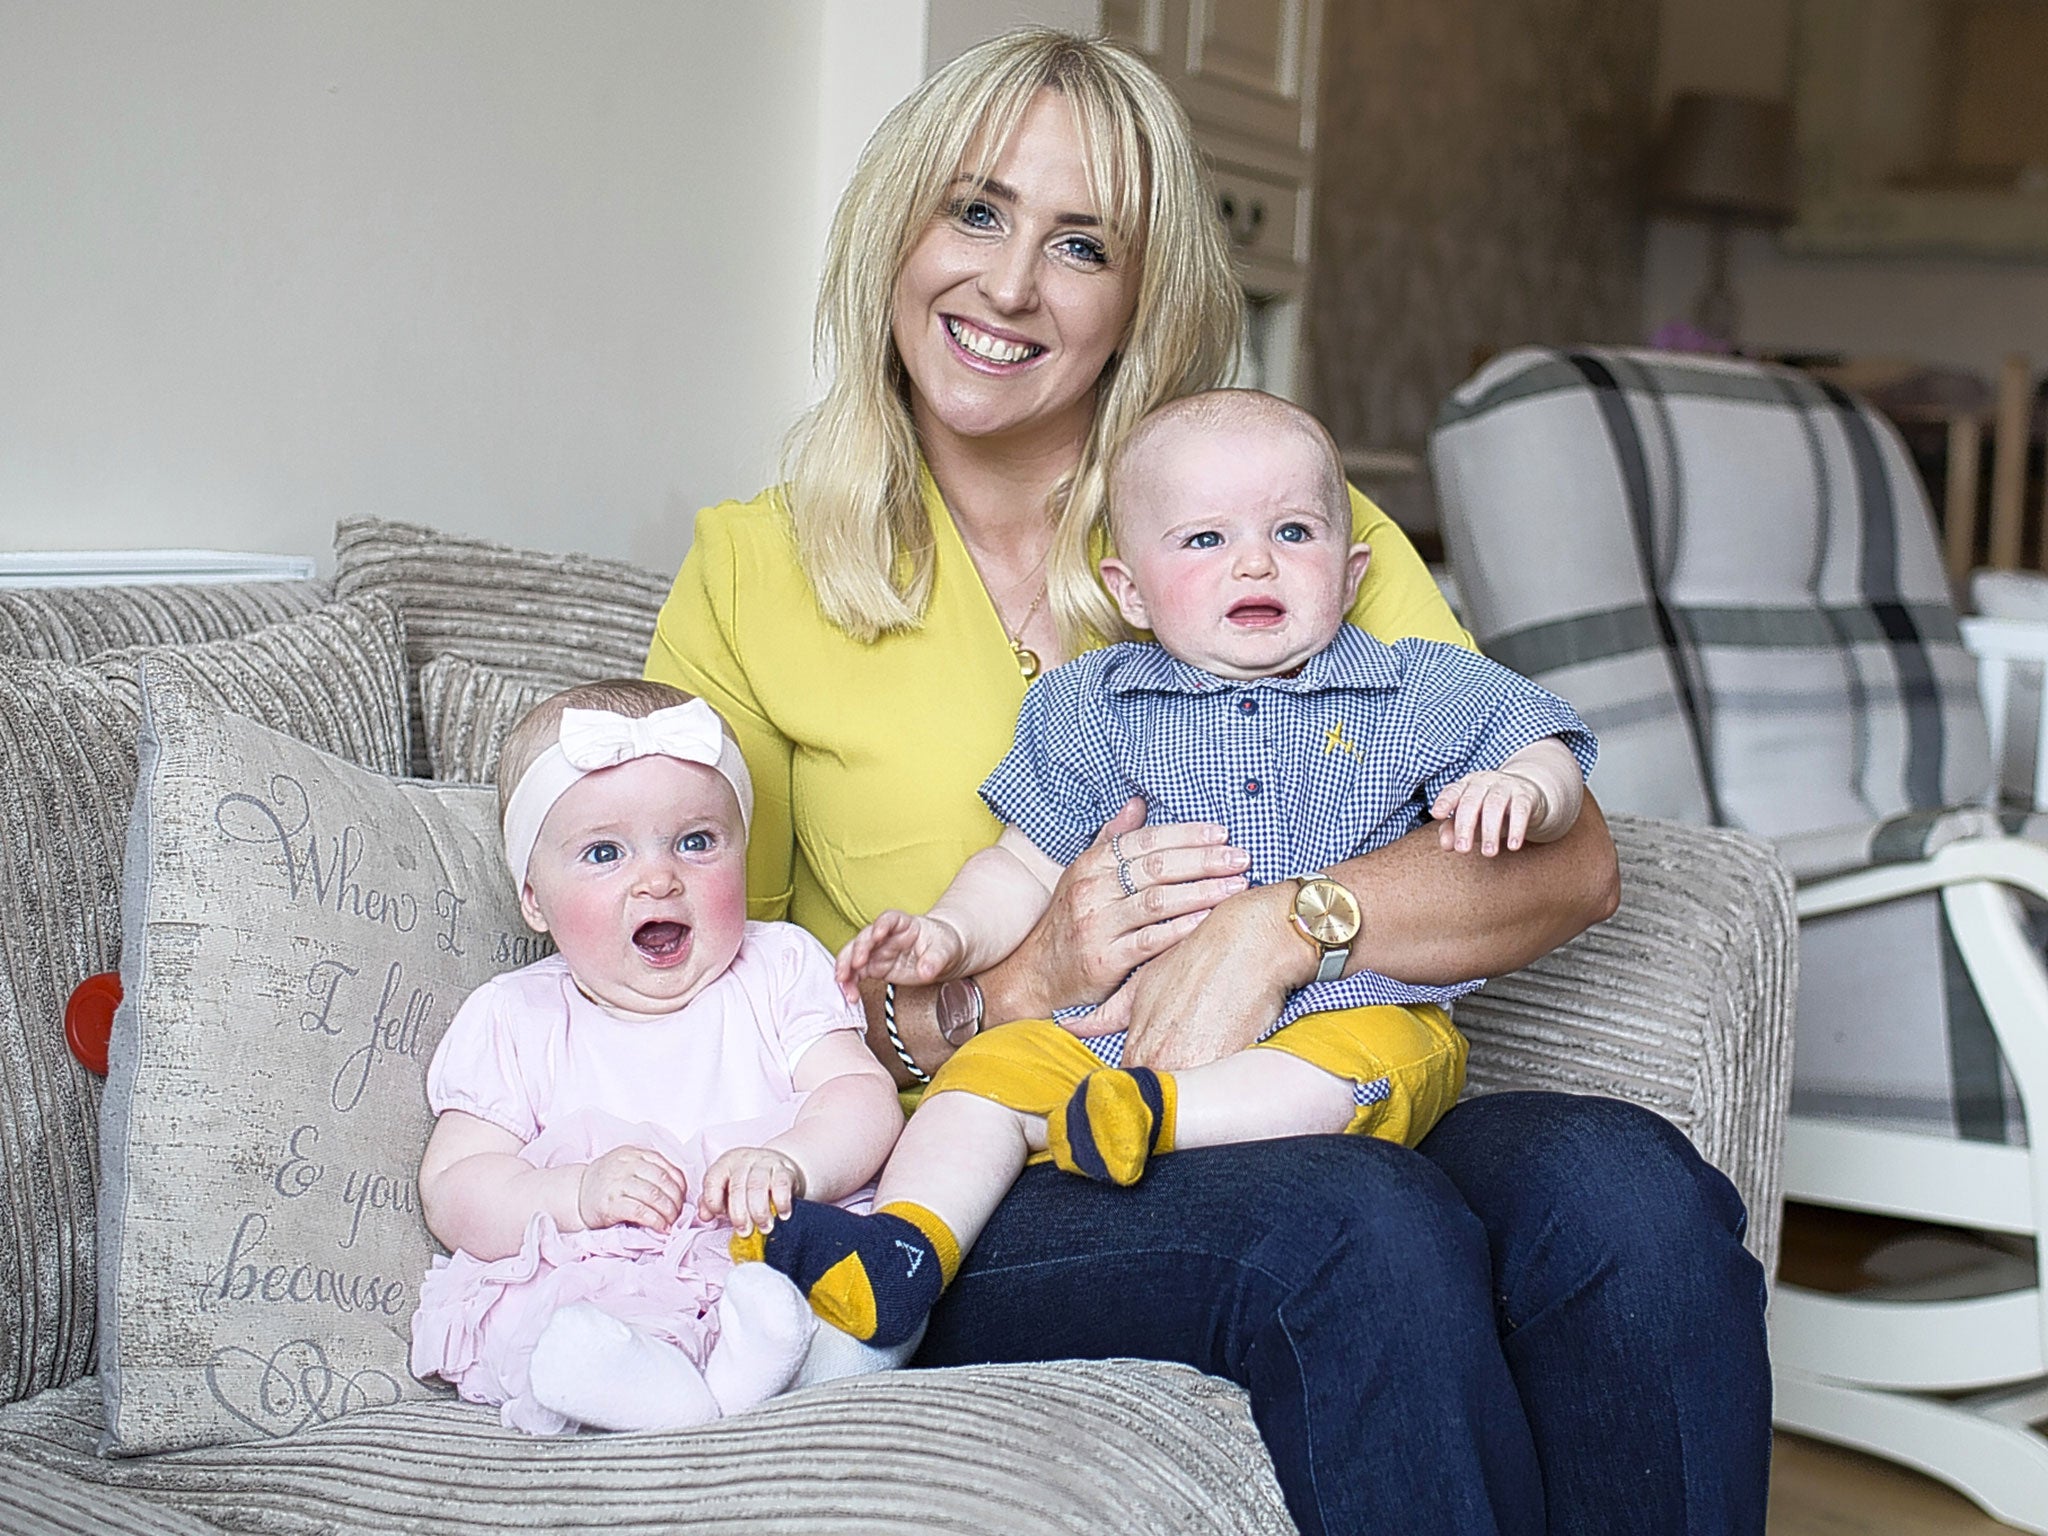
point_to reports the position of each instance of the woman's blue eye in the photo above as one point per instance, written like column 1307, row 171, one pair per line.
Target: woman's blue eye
column 1081, row 248
column 696, row 842
column 603, row 853
column 1208, row 539
column 1294, row 533
column 975, row 213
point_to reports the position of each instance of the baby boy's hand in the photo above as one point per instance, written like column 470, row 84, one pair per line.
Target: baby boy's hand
column 1493, row 810
column 632, row 1187
column 909, row 951
column 750, row 1187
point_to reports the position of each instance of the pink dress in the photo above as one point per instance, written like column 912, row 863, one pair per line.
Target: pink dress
column 529, row 1053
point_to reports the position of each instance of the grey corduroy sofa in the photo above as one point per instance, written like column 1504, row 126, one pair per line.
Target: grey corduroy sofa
column 1682, row 1002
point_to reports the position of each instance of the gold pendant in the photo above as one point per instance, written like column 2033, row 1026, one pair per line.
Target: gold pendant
column 1027, row 660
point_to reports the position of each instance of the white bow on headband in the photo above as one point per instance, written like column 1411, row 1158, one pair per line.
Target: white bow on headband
column 594, row 739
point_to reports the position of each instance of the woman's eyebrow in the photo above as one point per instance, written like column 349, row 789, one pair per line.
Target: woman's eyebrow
column 1008, row 194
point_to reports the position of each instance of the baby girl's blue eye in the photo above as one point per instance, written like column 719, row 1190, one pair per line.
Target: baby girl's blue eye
column 603, row 853
column 696, row 842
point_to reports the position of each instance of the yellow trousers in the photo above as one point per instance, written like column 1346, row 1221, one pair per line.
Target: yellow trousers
column 1033, row 1066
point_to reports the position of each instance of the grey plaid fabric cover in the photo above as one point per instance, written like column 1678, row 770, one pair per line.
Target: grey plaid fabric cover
column 1730, row 569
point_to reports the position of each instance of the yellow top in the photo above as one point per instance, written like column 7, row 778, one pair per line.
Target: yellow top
column 866, row 757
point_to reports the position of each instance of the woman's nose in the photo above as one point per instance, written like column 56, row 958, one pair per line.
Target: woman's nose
column 1010, row 280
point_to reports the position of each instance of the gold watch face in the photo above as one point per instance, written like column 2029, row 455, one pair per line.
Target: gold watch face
column 1327, row 913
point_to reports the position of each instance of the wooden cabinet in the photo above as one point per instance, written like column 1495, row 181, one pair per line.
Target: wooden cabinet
column 1246, row 72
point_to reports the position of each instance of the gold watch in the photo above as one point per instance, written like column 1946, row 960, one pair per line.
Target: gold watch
column 1327, row 916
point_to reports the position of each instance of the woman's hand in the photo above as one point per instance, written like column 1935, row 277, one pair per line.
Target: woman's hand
column 631, row 1187
column 1131, row 896
column 1219, row 989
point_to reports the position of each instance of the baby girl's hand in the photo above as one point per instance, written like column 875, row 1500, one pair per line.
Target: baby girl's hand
column 631, row 1187
column 750, row 1187
column 1495, row 808
column 897, row 947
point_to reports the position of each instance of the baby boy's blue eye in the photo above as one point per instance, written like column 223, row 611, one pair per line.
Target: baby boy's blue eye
column 602, row 853
column 1205, row 540
column 1295, row 533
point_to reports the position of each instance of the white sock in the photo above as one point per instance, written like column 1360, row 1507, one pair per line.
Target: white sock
column 590, row 1367
column 764, row 1331
column 834, row 1354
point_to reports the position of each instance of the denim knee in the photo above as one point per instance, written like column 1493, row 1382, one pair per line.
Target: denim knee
column 1590, row 1182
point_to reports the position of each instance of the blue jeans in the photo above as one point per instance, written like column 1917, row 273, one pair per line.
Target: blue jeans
column 1543, row 1319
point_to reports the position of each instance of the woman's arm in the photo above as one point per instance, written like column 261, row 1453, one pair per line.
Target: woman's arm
column 1429, row 916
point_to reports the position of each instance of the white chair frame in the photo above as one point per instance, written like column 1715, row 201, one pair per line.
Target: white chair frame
column 1876, row 1374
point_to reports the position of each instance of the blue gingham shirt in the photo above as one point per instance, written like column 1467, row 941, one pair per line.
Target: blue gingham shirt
column 1306, row 771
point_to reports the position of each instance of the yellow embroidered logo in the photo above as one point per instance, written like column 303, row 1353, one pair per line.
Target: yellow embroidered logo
column 1334, row 740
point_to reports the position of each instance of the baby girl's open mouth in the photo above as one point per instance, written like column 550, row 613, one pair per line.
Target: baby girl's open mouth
column 1257, row 613
column 662, row 943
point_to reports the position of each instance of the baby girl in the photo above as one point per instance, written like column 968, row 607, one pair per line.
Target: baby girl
column 610, row 1116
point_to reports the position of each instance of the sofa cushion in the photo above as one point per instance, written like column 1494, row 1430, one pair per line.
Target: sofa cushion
column 1083, row 1448
column 466, row 708
column 573, row 617
column 67, row 757
column 301, row 930
column 72, row 623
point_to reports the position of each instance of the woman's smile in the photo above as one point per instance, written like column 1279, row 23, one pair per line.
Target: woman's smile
column 983, row 344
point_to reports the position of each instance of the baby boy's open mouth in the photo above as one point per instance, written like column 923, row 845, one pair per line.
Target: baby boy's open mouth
column 1257, row 612
column 661, row 942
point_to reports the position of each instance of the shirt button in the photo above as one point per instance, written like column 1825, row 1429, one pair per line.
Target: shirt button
column 1249, row 706
column 1251, row 786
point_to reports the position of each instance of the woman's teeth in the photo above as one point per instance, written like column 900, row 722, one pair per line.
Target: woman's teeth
column 990, row 348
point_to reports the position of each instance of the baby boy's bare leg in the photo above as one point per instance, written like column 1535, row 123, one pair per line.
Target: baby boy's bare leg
column 876, row 1277
column 1260, row 1095
column 958, row 1157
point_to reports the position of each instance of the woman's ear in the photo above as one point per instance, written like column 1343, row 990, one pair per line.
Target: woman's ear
column 1117, row 577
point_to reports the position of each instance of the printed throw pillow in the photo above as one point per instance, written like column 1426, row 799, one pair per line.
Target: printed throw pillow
column 301, row 932
column 572, row 617
column 467, row 709
column 336, row 677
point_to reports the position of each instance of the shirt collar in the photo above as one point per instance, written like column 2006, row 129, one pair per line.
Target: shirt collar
column 1354, row 660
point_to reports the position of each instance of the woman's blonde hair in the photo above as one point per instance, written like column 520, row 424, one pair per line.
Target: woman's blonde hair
column 851, row 470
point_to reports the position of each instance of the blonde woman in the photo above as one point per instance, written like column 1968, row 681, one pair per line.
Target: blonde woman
column 1540, row 1318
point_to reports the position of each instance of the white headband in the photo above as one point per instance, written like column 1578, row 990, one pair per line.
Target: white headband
column 592, row 739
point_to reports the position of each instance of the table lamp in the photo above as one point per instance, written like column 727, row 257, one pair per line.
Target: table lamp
column 1724, row 160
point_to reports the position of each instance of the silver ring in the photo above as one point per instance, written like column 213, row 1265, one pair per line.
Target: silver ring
column 1116, row 846
column 1123, row 875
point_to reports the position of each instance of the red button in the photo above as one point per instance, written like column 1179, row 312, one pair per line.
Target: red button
column 89, row 1019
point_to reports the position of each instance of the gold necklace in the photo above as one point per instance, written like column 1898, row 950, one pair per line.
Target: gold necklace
column 1027, row 659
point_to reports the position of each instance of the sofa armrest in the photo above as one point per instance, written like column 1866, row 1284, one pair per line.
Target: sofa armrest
column 1681, row 1002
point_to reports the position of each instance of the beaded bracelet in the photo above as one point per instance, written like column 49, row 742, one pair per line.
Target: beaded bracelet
column 889, row 1024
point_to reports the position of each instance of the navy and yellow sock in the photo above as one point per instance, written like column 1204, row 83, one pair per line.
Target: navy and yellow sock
column 1117, row 1120
column 875, row 1276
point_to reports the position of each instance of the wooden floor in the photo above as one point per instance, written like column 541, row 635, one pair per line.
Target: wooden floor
column 1819, row 1489
column 1823, row 1490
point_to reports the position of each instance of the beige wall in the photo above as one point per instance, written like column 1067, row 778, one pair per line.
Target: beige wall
column 537, row 269
column 1962, row 312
